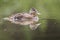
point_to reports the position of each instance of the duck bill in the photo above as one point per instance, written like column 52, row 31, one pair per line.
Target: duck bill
column 38, row 13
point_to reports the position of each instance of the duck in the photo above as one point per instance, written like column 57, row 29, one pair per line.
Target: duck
column 25, row 18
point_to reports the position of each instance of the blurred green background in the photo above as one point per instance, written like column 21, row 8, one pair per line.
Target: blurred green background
column 50, row 22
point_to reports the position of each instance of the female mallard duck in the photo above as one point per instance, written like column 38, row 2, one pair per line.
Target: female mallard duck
column 30, row 19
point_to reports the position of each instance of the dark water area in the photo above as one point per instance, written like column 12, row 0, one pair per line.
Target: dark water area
column 17, row 32
column 52, row 32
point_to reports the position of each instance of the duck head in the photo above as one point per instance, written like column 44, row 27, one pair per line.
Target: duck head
column 34, row 12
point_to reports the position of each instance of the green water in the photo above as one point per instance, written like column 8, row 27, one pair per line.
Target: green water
column 50, row 22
